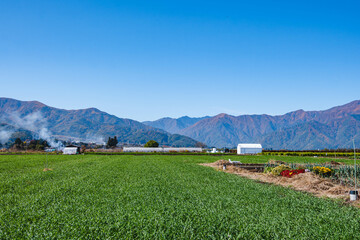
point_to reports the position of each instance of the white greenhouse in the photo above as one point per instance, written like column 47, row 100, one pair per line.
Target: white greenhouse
column 249, row 148
column 70, row 150
column 160, row 149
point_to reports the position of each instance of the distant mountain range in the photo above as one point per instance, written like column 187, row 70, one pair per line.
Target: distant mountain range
column 85, row 124
column 332, row 128
column 174, row 125
column 300, row 130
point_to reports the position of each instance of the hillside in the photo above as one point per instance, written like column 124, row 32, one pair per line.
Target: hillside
column 10, row 133
column 85, row 123
column 332, row 128
column 174, row 125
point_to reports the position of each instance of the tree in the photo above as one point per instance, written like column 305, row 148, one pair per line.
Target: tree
column 18, row 141
column 83, row 148
column 32, row 145
column 151, row 143
column 18, row 144
column 112, row 142
column 38, row 145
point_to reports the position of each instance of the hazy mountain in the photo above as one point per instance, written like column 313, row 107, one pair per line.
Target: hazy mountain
column 85, row 123
column 334, row 133
column 332, row 128
column 174, row 125
column 10, row 133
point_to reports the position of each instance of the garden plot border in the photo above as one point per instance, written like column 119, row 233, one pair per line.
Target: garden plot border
column 306, row 182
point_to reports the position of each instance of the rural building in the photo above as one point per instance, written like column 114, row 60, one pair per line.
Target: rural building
column 249, row 148
column 71, row 149
column 214, row 150
column 160, row 149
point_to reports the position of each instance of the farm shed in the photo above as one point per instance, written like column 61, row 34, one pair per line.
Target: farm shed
column 249, row 148
column 71, row 149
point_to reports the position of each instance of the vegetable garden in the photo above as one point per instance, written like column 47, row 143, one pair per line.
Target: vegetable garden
column 343, row 174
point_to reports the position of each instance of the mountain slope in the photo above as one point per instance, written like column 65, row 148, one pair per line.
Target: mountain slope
column 84, row 123
column 9, row 132
column 308, row 135
column 174, row 125
column 300, row 129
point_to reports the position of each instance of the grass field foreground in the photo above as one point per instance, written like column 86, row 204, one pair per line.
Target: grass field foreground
column 157, row 197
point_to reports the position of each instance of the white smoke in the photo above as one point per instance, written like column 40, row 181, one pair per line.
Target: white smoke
column 34, row 122
column 91, row 138
column 45, row 134
column 5, row 135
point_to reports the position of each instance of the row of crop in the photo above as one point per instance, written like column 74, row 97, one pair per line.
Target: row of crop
column 340, row 150
column 158, row 153
column 283, row 170
column 344, row 174
column 310, row 154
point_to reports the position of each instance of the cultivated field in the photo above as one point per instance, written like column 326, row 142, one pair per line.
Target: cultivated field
column 158, row 197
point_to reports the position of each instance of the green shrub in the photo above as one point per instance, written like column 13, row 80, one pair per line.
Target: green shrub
column 151, row 143
column 268, row 169
column 277, row 170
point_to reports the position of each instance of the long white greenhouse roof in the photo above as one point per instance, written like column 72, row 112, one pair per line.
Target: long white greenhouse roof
column 249, row 145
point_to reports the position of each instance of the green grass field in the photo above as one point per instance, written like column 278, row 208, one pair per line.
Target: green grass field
column 158, row 197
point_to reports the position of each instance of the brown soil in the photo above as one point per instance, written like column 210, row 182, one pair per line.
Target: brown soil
column 271, row 161
column 308, row 182
column 334, row 163
column 47, row 169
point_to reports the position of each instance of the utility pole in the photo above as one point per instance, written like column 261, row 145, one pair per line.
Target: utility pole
column 354, row 162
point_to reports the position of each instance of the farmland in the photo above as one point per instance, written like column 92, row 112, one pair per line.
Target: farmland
column 158, row 197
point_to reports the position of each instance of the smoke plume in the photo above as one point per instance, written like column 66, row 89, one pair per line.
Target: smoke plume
column 5, row 135
column 91, row 138
column 34, row 122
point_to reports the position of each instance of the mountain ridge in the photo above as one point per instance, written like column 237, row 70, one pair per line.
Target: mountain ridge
column 301, row 130
column 224, row 130
column 174, row 125
column 84, row 123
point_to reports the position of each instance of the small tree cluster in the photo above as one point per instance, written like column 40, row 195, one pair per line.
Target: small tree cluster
column 38, row 145
column 151, row 143
column 112, row 142
column 18, row 144
column 32, row 145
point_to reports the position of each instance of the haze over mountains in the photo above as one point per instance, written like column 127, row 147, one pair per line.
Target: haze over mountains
column 332, row 128
column 88, row 124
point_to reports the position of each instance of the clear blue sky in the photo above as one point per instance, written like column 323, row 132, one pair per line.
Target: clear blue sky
column 150, row 59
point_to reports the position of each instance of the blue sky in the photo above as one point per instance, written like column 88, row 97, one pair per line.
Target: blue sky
column 150, row 59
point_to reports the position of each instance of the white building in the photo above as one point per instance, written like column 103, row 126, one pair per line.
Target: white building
column 249, row 148
column 214, row 150
column 160, row 149
column 70, row 150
